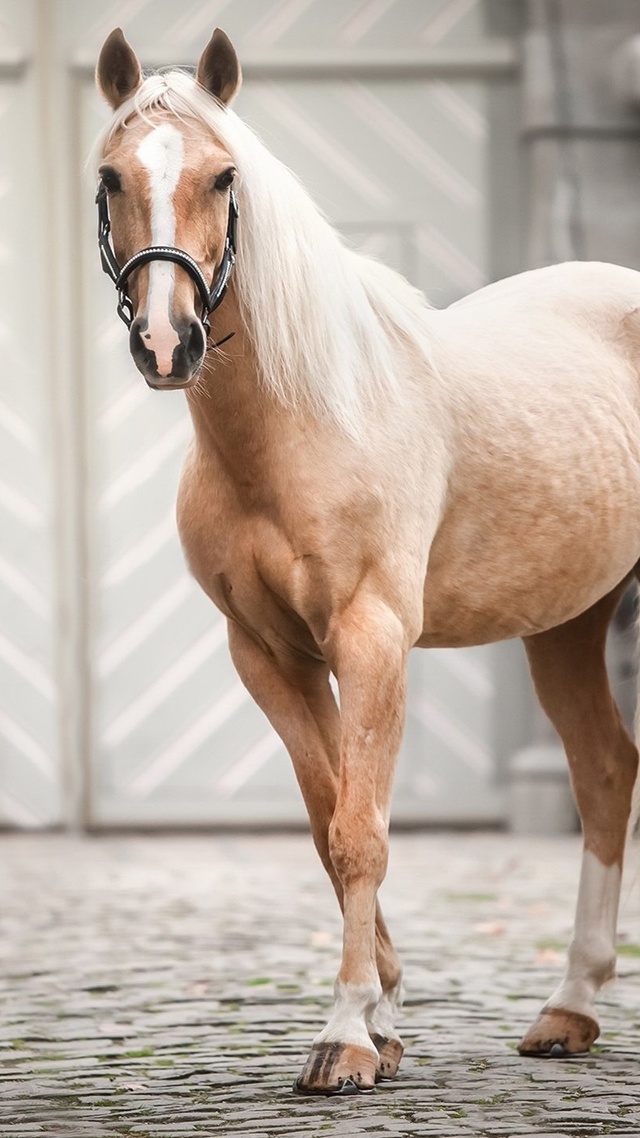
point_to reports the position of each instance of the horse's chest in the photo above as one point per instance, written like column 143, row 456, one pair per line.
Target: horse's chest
column 248, row 569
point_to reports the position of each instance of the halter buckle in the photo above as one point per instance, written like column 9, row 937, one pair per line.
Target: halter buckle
column 125, row 308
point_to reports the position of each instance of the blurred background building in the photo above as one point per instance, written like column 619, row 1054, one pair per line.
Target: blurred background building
column 459, row 140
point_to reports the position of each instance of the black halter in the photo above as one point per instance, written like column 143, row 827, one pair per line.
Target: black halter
column 210, row 297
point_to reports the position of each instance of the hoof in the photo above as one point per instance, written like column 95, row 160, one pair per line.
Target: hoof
column 557, row 1034
column 390, row 1052
column 338, row 1069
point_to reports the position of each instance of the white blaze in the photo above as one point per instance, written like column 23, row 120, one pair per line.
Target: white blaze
column 161, row 152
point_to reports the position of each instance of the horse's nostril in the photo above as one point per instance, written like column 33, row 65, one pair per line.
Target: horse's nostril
column 195, row 342
column 144, row 357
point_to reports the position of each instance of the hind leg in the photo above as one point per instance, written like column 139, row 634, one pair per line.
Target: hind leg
column 568, row 669
column 297, row 698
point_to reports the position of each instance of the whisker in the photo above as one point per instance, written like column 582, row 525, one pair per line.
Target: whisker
column 200, row 388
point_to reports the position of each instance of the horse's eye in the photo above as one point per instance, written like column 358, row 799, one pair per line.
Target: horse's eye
column 225, row 179
column 110, row 179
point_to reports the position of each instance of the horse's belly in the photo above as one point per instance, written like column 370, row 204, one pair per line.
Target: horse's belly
column 479, row 610
column 494, row 576
column 462, row 615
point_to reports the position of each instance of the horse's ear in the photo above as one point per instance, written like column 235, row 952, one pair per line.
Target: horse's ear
column 219, row 68
column 118, row 73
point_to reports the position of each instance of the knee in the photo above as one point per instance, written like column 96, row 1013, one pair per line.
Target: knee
column 369, row 637
column 358, row 846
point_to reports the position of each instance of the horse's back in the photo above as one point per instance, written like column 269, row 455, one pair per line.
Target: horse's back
column 551, row 335
column 569, row 287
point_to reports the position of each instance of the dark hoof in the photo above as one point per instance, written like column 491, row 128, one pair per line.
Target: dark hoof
column 337, row 1069
column 390, row 1052
column 559, row 1034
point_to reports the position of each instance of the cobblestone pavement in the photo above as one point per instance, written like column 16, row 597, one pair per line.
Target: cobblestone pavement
column 156, row 986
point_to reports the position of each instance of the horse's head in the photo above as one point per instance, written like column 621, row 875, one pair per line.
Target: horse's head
column 165, row 193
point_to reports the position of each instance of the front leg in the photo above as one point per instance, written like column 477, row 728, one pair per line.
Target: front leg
column 296, row 696
column 367, row 648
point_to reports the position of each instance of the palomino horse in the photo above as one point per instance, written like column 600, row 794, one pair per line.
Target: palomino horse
column 367, row 475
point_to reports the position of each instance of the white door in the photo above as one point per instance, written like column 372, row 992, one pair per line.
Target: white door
column 384, row 110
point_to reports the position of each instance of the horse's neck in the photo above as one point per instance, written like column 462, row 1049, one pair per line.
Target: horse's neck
column 235, row 419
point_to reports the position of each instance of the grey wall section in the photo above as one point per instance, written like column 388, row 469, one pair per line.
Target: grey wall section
column 582, row 142
column 387, row 112
column 30, row 772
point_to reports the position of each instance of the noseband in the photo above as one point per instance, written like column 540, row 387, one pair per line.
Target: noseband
column 210, row 297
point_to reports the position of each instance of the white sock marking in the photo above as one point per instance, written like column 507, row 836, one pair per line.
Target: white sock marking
column 382, row 1019
column 161, row 152
column 593, row 945
column 354, row 1004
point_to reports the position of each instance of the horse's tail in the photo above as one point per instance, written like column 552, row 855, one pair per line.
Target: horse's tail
column 635, row 797
column 631, row 865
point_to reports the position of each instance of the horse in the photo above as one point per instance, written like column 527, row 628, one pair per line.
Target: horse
column 369, row 474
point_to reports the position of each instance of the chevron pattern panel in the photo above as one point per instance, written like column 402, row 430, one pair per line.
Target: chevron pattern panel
column 176, row 738
column 399, row 166
column 29, row 768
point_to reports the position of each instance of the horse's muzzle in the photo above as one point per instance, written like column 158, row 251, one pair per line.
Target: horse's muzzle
column 186, row 358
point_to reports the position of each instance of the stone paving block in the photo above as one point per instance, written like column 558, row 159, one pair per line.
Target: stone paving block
column 156, row 986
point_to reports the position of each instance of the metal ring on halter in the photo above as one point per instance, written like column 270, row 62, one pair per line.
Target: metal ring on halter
column 210, row 297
